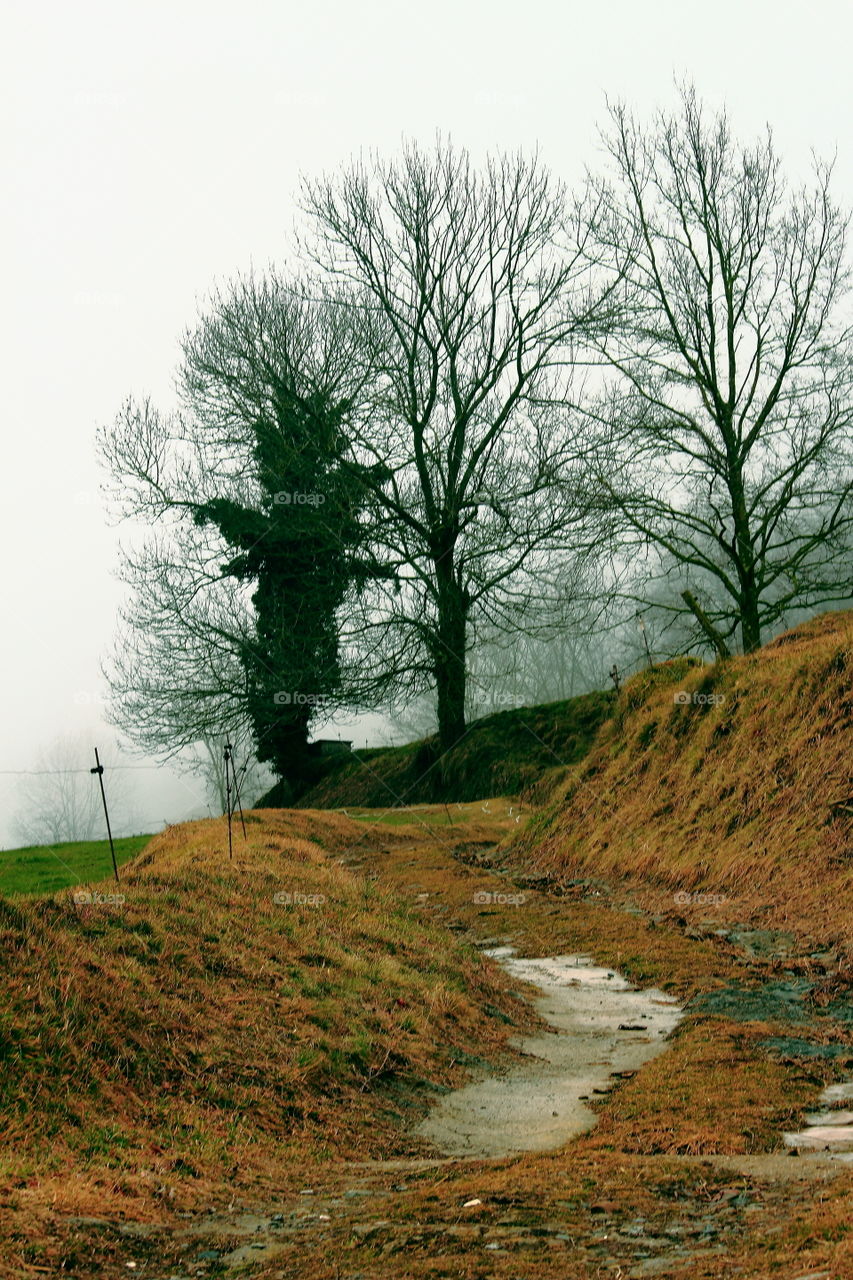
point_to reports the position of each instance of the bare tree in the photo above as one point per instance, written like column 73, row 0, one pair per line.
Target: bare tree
column 207, row 761
column 471, row 304
column 233, row 596
column 529, row 670
column 60, row 801
column 724, row 436
column 175, row 671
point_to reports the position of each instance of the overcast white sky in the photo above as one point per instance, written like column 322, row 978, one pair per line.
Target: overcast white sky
column 149, row 150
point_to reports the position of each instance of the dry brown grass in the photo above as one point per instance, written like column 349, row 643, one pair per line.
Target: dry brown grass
column 749, row 797
column 201, row 1039
column 715, row 1093
column 204, row 1045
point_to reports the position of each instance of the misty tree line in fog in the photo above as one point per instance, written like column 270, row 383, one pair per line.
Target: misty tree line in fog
column 439, row 462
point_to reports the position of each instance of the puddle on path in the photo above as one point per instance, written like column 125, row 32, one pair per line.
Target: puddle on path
column 830, row 1130
column 602, row 1026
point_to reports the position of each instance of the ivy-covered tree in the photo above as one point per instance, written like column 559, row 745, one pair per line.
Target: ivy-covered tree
column 301, row 547
column 261, row 507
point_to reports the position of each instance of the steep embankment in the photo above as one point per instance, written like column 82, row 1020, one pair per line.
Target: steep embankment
column 501, row 755
column 208, row 1025
column 723, row 791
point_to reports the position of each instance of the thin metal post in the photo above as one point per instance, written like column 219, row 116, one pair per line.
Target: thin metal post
column 228, row 797
column 99, row 770
column 239, row 802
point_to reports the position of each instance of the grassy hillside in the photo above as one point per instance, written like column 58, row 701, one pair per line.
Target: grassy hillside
column 181, row 1065
column 734, row 780
column 45, row 868
column 503, row 754
column 197, row 1034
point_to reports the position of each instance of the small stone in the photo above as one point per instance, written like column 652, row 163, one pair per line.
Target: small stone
column 838, row 1092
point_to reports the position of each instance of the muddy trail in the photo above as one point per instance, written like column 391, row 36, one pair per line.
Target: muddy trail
column 601, row 1030
column 649, row 1125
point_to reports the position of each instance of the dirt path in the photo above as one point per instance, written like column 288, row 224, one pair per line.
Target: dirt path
column 678, row 1169
column 604, row 1028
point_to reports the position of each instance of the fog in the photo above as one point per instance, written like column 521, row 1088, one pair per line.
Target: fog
column 148, row 154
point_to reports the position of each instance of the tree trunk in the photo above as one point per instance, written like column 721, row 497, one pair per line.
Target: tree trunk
column 449, row 655
column 748, row 602
column 750, row 626
column 706, row 624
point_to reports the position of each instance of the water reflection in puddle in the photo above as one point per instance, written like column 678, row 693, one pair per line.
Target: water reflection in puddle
column 601, row 1027
column 831, row 1130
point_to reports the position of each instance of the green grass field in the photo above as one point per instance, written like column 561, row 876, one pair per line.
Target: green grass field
column 46, row 868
